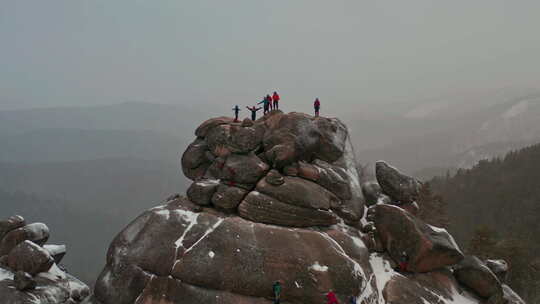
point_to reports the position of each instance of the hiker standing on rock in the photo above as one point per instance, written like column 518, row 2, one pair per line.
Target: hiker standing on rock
column 269, row 98
column 275, row 100
column 277, row 292
column 253, row 110
column 266, row 104
column 331, row 298
column 236, row 109
column 317, row 106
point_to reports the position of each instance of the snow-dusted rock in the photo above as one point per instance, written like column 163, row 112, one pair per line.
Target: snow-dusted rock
column 429, row 248
column 200, row 192
column 228, row 197
column 229, row 257
column 499, row 268
column 11, row 223
column 400, row 187
column 194, row 160
column 23, row 281
column 29, row 257
column 262, row 208
column 473, row 273
column 36, row 232
column 284, row 203
column 51, row 287
column 510, row 296
column 56, row 251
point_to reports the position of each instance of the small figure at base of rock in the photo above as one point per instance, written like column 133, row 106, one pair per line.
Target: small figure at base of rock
column 236, row 109
column 352, row 300
column 277, row 292
column 275, row 100
column 403, row 264
column 331, row 298
column 317, row 106
column 253, row 112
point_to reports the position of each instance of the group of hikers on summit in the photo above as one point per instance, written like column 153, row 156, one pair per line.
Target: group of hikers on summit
column 270, row 103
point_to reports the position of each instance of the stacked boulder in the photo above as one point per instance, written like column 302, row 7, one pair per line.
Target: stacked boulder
column 487, row 278
column 395, row 230
column 277, row 199
column 28, row 268
column 284, row 169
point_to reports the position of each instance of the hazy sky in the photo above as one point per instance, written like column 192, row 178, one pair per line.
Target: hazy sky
column 219, row 53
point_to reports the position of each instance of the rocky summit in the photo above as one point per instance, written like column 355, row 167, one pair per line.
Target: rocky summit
column 29, row 270
column 279, row 200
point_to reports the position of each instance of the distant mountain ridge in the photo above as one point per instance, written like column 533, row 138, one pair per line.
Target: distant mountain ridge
column 455, row 139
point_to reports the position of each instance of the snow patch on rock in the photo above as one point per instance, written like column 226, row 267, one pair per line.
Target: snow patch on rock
column 318, row 267
column 191, row 219
column 210, row 230
column 53, row 274
column 383, row 272
column 5, row 274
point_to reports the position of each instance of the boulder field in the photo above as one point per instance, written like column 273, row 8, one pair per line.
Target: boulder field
column 29, row 273
column 279, row 199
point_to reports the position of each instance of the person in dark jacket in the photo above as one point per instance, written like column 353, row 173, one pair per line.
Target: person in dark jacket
column 317, row 106
column 275, row 100
column 276, row 288
column 253, row 110
column 352, row 300
column 266, row 104
column 403, row 265
column 236, row 109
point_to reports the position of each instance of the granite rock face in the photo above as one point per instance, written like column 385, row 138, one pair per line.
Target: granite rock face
column 279, row 199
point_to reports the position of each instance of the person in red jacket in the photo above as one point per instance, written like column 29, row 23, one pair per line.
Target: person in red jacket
column 317, row 107
column 275, row 100
column 331, row 298
column 269, row 98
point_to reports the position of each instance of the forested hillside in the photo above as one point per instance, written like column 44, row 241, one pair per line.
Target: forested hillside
column 494, row 207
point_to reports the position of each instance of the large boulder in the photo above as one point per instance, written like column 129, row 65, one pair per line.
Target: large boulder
column 200, row 192
column 228, row 197
column 11, row 223
column 510, row 296
column 296, row 136
column 36, row 232
column 23, row 281
column 57, row 252
column 264, row 152
column 400, row 187
column 262, row 208
column 300, row 192
column 208, row 125
column 202, row 254
column 194, row 160
column 373, row 194
column 51, row 287
column 434, row 287
column 428, row 247
column 30, row 258
column 474, row 274
column 499, row 268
